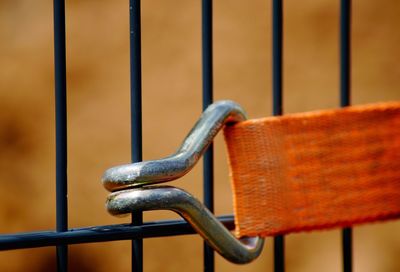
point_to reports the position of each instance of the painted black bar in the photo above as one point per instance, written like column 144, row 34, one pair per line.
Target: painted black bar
column 136, row 115
column 277, row 44
column 345, row 100
column 208, row 161
column 347, row 246
column 102, row 234
column 61, row 129
column 277, row 108
column 345, row 53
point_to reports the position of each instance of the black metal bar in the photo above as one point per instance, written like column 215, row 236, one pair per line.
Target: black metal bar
column 345, row 54
column 347, row 246
column 279, row 253
column 345, row 100
column 277, row 108
column 61, row 129
column 102, row 234
column 136, row 115
column 208, row 161
column 277, row 44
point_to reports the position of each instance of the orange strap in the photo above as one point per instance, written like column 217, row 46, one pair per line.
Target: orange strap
column 315, row 170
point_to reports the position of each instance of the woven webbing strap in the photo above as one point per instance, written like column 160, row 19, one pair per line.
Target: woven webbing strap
column 315, row 170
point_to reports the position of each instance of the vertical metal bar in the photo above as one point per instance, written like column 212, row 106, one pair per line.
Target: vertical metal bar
column 208, row 169
column 277, row 43
column 345, row 100
column 136, row 115
column 347, row 246
column 61, row 129
column 345, row 44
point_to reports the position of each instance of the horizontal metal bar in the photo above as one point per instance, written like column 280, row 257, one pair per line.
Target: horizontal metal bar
column 102, row 234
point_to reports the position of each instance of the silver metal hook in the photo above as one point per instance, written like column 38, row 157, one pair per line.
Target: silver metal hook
column 178, row 164
column 123, row 181
column 239, row 251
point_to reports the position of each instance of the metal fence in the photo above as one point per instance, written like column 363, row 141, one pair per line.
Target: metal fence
column 62, row 236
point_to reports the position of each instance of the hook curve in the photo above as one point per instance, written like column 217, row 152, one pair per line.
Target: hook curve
column 239, row 251
column 175, row 166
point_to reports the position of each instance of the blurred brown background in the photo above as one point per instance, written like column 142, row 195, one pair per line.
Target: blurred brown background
column 98, row 104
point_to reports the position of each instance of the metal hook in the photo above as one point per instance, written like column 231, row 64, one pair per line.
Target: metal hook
column 123, row 179
column 178, row 164
column 239, row 251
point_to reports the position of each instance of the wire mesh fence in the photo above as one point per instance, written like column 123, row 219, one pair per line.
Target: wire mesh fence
column 63, row 235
